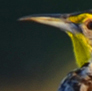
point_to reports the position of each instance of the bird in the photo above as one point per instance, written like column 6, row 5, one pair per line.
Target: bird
column 78, row 26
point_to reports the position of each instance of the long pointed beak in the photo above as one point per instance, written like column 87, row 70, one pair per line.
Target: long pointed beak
column 56, row 20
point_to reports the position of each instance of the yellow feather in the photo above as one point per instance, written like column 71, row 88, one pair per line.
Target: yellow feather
column 81, row 48
column 80, row 18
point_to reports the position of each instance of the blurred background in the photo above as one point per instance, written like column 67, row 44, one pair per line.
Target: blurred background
column 34, row 57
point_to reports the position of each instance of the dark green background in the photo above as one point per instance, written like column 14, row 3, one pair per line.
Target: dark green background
column 34, row 57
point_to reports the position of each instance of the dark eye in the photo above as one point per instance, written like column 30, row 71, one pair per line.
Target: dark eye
column 89, row 25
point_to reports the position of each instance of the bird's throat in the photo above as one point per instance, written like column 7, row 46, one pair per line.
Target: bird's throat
column 82, row 49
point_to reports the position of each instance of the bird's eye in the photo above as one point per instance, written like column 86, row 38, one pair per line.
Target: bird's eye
column 89, row 24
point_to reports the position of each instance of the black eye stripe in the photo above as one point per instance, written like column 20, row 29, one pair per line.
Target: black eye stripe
column 89, row 25
column 79, row 28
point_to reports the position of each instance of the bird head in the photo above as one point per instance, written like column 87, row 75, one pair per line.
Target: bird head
column 77, row 25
